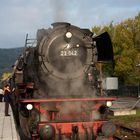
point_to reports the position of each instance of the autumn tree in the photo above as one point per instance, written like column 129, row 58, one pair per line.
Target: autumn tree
column 5, row 77
column 126, row 44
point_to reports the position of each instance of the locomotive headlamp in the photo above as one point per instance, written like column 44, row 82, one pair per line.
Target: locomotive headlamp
column 109, row 103
column 68, row 34
column 29, row 106
column 77, row 45
column 47, row 132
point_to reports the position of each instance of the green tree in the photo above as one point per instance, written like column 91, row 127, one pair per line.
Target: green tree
column 126, row 45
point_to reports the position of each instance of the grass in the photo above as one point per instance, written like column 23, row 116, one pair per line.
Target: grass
column 138, row 112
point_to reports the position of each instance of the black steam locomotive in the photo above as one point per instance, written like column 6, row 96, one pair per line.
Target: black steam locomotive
column 56, row 95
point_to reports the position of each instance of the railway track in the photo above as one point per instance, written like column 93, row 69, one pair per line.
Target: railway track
column 126, row 133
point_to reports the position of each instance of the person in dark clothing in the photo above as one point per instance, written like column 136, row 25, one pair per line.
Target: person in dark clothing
column 7, row 93
column 1, row 94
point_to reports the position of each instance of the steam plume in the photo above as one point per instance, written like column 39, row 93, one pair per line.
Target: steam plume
column 59, row 9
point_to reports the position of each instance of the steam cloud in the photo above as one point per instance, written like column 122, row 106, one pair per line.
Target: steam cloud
column 77, row 87
column 59, row 11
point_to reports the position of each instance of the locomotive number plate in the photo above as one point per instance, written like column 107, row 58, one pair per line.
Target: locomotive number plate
column 69, row 53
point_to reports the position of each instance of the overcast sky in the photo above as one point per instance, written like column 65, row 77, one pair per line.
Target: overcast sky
column 18, row 17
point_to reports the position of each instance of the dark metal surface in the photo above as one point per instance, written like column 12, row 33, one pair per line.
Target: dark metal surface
column 61, row 60
column 108, row 129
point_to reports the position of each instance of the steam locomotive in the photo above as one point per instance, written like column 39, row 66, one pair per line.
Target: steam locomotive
column 57, row 86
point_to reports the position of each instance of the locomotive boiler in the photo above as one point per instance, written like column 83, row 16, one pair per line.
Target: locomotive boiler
column 57, row 86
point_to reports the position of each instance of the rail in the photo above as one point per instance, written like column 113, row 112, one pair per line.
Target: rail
column 126, row 133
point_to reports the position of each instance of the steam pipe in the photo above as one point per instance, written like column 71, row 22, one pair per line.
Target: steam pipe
column 59, row 134
column 91, row 134
column 86, row 133
column 75, row 135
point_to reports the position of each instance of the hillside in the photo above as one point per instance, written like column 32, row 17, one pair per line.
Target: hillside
column 8, row 58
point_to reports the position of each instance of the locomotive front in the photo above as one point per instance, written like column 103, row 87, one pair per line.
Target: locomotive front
column 56, row 98
column 65, row 54
column 65, row 50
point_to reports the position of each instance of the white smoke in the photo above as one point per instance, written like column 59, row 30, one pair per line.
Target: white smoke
column 59, row 9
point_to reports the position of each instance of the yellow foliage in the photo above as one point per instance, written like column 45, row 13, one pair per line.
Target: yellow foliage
column 5, row 76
